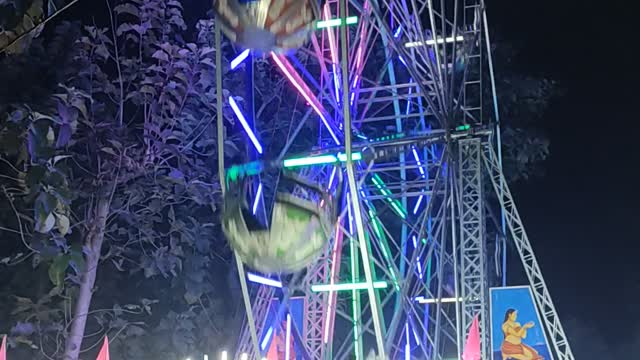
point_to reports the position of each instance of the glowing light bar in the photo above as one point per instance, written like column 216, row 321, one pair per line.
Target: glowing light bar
column 463, row 127
column 239, row 59
column 287, row 339
column 206, row 357
column 256, row 201
column 332, row 177
column 263, row 280
column 267, row 337
column 397, row 32
column 304, row 91
column 223, row 355
column 422, row 300
column 407, row 345
column 415, row 155
column 395, row 204
column 244, row 356
column 417, row 207
column 348, row 286
column 322, row 24
column 245, row 125
column 320, row 160
column 433, row 42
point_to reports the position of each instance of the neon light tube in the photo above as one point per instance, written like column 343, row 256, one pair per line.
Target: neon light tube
column 320, row 160
column 305, row 92
column 245, row 125
column 332, row 177
column 322, row 24
column 257, row 199
column 263, row 280
column 394, row 203
column 287, row 339
column 422, row 300
column 244, row 356
column 397, row 32
column 415, row 155
column 239, row 59
column 267, row 337
column 417, row 207
column 223, row 355
column 433, row 42
column 331, row 279
column 407, row 345
column 348, row 286
column 334, row 54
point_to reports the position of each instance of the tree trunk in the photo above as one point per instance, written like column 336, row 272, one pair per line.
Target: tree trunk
column 93, row 246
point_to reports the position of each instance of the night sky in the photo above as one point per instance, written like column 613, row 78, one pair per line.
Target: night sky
column 582, row 215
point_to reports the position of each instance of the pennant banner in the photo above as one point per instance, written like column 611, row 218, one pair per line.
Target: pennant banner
column 472, row 347
column 104, row 352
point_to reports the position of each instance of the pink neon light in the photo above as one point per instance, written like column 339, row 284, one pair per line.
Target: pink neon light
column 302, row 88
column 334, row 259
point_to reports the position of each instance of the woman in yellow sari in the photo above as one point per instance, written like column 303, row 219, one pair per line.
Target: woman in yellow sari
column 512, row 346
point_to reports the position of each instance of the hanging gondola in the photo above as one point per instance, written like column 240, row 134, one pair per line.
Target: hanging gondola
column 267, row 25
column 301, row 225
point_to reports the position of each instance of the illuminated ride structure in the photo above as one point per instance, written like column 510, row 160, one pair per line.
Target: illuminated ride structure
column 389, row 235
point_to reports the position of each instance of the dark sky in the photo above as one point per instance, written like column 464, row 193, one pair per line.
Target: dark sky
column 582, row 216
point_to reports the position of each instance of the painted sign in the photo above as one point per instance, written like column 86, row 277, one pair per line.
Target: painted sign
column 516, row 329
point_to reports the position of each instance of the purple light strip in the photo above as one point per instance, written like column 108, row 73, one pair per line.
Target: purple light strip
column 257, row 199
column 245, row 125
column 239, row 59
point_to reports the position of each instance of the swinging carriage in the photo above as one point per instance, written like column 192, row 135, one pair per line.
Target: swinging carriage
column 267, row 25
column 302, row 221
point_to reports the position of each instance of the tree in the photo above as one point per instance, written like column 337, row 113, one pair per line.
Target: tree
column 113, row 181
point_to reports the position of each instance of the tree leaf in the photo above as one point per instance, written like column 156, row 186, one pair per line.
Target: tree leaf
column 57, row 270
column 62, row 223
column 160, row 55
column 46, row 225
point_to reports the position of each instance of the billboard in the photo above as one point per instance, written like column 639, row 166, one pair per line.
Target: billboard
column 516, row 329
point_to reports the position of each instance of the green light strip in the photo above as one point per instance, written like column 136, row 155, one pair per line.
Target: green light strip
column 348, row 286
column 379, row 231
column 395, row 204
column 320, row 160
column 323, row 24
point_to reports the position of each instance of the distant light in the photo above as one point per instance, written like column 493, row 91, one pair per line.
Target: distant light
column 433, row 42
column 320, row 160
column 206, row 357
column 223, row 355
column 463, row 127
column 244, row 356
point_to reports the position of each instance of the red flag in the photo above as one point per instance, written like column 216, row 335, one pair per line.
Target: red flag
column 472, row 347
column 3, row 348
column 104, row 352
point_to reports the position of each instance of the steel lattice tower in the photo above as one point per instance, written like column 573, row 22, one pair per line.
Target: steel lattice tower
column 413, row 80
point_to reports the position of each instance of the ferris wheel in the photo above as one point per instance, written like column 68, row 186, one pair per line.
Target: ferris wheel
column 372, row 229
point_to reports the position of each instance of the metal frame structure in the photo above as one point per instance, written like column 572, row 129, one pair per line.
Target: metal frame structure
column 401, row 88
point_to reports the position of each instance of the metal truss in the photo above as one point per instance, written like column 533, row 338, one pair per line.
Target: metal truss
column 547, row 310
column 473, row 256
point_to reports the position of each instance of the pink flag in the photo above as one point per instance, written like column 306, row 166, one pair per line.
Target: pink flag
column 104, row 352
column 472, row 347
column 3, row 348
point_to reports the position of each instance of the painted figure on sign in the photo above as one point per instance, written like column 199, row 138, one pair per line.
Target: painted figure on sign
column 512, row 347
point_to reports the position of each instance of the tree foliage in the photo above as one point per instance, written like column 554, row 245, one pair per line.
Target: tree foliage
column 110, row 173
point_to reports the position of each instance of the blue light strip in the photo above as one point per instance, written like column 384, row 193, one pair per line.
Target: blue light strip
column 245, row 125
column 256, row 201
column 239, row 59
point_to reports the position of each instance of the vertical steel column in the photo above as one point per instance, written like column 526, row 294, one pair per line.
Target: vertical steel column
column 353, row 189
column 473, row 262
